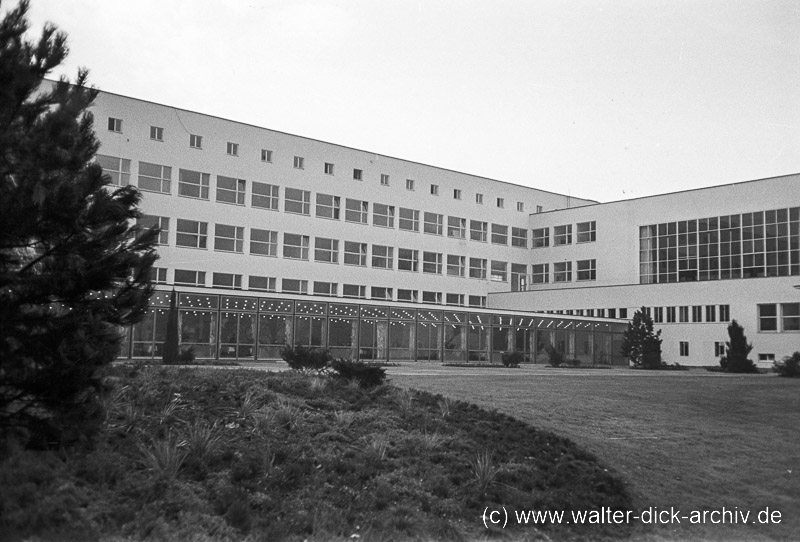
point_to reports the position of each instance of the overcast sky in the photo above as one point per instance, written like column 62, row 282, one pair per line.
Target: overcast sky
column 605, row 100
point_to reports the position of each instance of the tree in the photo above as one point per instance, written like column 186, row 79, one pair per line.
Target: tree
column 640, row 344
column 74, row 267
column 170, row 350
column 737, row 349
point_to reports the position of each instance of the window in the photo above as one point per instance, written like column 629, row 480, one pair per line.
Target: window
column 456, row 193
column 328, row 168
column 357, row 174
column 477, row 300
column 623, row 313
column 298, row 162
column 477, row 268
column 384, row 179
column 562, row 272
column 766, row 358
column 409, row 184
column 683, row 314
column 520, row 207
column 456, row 265
column 587, row 269
column 432, row 263
column 356, row 210
column 684, row 348
column 383, row 215
column 719, row 349
column 407, row 259
column 326, row 250
column 724, row 313
column 790, row 316
column 433, row 223
column 454, row 299
column 456, row 227
column 540, row 238
column 432, row 297
column 227, row 280
column 499, row 271
column 158, row 275
column 355, row 253
column 538, row 208
column 407, row 295
column 499, row 234
column 540, row 273
column 382, row 256
column 586, row 232
column 119, row 169
column 156, row 133
column 186, row 277
column 266, row 155
column 191, row 233
column 501, row 202
column 297, row 201
column 230, row 190
column 294, row 286
column 479, row 199
column 114, row 125
column 697, row 313
column 519, row 237
column 329, row 289
column 155, row 178
column 377, row 292
column 612, row 313
column 434, row 190
column 295, row 246
column 328, row 206
column 711, row 313
column 409, row 219
column 232, row 149
column 478, row 230
column 562, row 235
column 658, row 314
column 160, row 222
column 195, row 141
column 263, row 242
column 265, row 284
column 354, row 290
column 228, row 238
column 193, row 184
column 265, row 196
column 670, row 315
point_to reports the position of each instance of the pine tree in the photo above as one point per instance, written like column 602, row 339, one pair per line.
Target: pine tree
column 640, row 344
column 736, row 351
column 74, row 269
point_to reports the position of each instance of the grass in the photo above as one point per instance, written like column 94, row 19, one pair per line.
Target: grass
column 693, row 440
column 226, row 455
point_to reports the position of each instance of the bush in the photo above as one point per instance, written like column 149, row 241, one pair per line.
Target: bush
column 737, row 349
column 556, row 357
column 186, row 355
column 512, row 359
column 367, row 375
column 790, row 366
column 302, row 358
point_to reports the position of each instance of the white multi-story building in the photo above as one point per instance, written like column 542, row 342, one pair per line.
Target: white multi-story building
column 272, row 238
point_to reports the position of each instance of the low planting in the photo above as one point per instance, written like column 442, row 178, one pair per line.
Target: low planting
column 203, row 454
column 789, row 366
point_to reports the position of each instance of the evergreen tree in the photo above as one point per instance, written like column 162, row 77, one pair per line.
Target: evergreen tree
column 169, row 354
column 736, row 351
column 640, row 344
column 74, row 267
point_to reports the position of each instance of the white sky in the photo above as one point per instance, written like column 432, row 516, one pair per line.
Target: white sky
column 600, row 99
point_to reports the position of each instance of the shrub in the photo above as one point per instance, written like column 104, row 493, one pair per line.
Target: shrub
column 512, row 359
column 556, row 357
column 790, row 366
column 367, row 375
column 186, row 355
column 737, row 349
column 302, row 358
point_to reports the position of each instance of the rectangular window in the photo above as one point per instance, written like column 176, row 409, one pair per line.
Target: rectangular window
column 479, row 199
column 226, row 280
column 432, row 297
column 433, row 223
column 711, row 313
column 562, row 272
column 519, row 237
column 499, row 271
column 383, row 215
column 719, row 349
column 454, row 299
column 538, row 208
column 195, row 141
column 232, row 149
column 541, row 238
column 409, row 219
column 297, row 201
column 265, row 196
column 119, row 169
column 697, row 313
column 683, row 314
column 156, row 133
column 160, row 222
column 328, row 289
column 354, row 290
column 294, row 286
column 724, row 313
column 612, row 313
column 328, row 168
column 155, row 178
column 384, row 179
column 186, row 277
column 477, row 300
column 326, row 250
column 540, row 273
column 684, row 348
column 191, row 233
column 228, row 238
column 501, row 202
column 355, row 253
column 263, row 242
column 456, row 193
column 456, row 227
column 409, row 184
column 230, row 190
column 478, row 230
column 477, row 268
column 432, row 263
column 266, row 155
column 499, row 234
column 658, row 315
column 562, row 235
column 586, row 232
column 158, row 275
column 357, row 174
column 356, row 210
column 409, row 296
column 328, row 206
column 407, row 259
column 114, row 125
column 193, row 184
column 295, row 247
column 587, row 269
column 298, row 162
column 382, row 257
column 378, row 292
column 434, row 190
column 766, row 358
column 671, row 315
column 456, row 265
column 623, row 313
column 264, row 284
column 790, row 316
column 520, row 207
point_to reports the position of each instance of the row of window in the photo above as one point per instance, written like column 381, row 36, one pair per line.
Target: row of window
column 562, row 271
column 585, row 232
column 689, row 313
column 779, row 317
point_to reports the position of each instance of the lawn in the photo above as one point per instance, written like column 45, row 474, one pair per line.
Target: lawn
column 691, row 440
